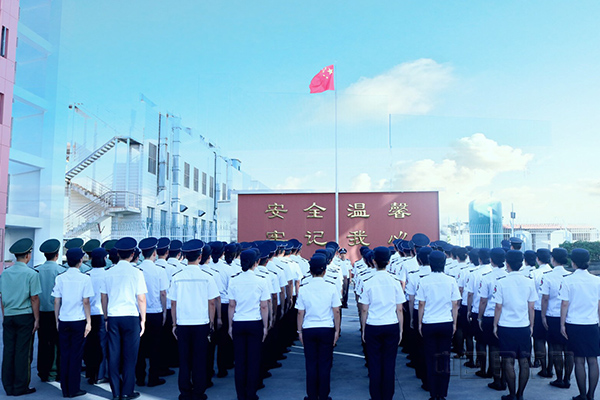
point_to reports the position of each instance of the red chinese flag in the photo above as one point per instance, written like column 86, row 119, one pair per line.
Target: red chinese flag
column 322, row 81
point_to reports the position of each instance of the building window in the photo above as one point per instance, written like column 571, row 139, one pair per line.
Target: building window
column 163, row 223
column 196, row 179
column 204, row 183
column 152, row 153
column 195, row 227
column 186, row 175
column 210, row 230
column 150, row 219
column 224, row 192
column 203, row 229
column 186, row 225
column 4, row 43
column 211, row 188
column 2, row 109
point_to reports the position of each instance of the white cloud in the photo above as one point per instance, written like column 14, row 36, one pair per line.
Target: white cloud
column 361, row 183
column 303, row 182
column 479, row 152
column 408, row 88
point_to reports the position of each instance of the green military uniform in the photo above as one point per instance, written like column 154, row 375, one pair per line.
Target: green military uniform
column 48, row 352
column 88, row 247
column 17, row 285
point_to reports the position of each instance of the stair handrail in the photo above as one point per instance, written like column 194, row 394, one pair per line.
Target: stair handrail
column 113, row 139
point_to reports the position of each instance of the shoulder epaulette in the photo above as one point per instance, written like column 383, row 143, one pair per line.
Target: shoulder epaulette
column 260, row 276
column 332, row 283
column 37, row 266
column 366, row 279
column 177, row 272
column 500, row 277
column 159, row 265
column 566, row 275
column 487, row 273
column 203, row 270
column 87, row 273
column 60, row 273
column 412, row 272
column 547, row 272
column 233, row 276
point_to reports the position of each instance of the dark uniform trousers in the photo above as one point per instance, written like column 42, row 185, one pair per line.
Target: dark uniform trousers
column 480, row 347
column 318, row 354
column 169, row 353
column 224, row 342
column 247, row 339
column 48, row 351
column 149, row 343
column 382, row 347
column 437, row 339
column 463, row 322
column 16, row 359
column 70, row 336
column 193, row 346
column 418, row 355
column 94, row 350
column 123, row 346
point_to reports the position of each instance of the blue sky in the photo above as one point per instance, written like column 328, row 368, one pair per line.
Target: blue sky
column 522, row 74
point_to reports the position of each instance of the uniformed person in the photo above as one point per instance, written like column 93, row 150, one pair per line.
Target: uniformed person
column 539, row 331
column 157, row 284
column 417, row 349
column 225, row 344
column 318, row 306
column 88, row 247
column 346, row 266
column 514, row 298
column 464, row 312
column 224, row 273
column 473, row 307
column 248, row 324
column 487, row 308
column 72, row 292
column 168, row 349
column 19, row 292
column 95, row 348
column 48, row 350
column 381, row 320
column 580, row 296
column 193, row 295
column 562, row 359
column 124, row 303
column 529, row 263
column 515, row 243
column 74, row 243
column 461, row 268
column 438, row 298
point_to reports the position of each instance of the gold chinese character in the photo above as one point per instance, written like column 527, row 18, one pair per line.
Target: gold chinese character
column 401, row 235
column 398, row 210
column 275, row 235
column 356, row 238
column 314, row 211
column 275, row 209
column 313, row 236
column 357, row 210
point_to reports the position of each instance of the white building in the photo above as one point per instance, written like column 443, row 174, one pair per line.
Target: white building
column 37, row 148
column 159, row 179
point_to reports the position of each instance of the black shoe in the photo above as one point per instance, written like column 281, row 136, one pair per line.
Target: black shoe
column 44, row 378
column 210, row 384
column 267, row 375
column 28, row 391
column 459, row 355
column 282, row 357
column 140, row 382
column 132, row 396
column 567, row 383
column 276, row 365
column 425, row 387
column 508, row 397
column 470, row 364
column 560, row 384
column 545, row 374
column 537, row 364
column 497, row 386
column 260, row 386
column 222, row 374
column 157, row 382
column 80, row 393
column 166, row 372
column 410, row 365
column 482, row 374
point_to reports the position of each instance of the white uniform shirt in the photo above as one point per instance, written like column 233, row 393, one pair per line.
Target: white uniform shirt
column 272, row 280
column 248, row 290
column 317, row 298
column 450, row 266
column 224, row 272
column 172, row 266
column 289, row 276
column 488, row 287
column 295, row 271
column 514, row 291
column 123, row 283
column 97, row 276
column 156, row 281
column 236, row 267
column 475, row 283
column 413, row 283
column 192, row 288
column 304, row 266
column 582, row 290
column 360, row 281
column 438, row 291
column 551, row 283
column 537, row 280
column 281, row 276
column 382, row 293
column 72, row 287
column 215, row 275
column 463, row 282
column 334, row 274
column 400, row 269
column 526, row 270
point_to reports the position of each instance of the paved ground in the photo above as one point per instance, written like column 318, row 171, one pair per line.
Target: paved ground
column 349, row 379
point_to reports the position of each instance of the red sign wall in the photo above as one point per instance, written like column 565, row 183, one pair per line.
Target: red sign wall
column 372, row 219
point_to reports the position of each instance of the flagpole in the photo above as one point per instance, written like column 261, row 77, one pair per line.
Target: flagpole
column 337, row 193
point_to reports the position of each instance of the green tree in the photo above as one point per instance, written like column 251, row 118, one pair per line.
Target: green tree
column 592, row 247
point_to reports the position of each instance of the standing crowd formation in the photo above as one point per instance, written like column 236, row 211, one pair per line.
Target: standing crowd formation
column 208, row 308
